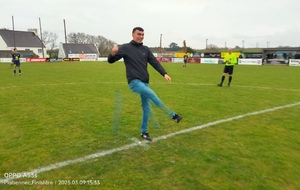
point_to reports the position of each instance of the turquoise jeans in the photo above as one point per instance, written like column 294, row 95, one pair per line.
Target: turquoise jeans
column 146, row 95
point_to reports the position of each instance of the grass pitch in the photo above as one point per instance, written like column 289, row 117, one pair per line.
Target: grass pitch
column 57, row 112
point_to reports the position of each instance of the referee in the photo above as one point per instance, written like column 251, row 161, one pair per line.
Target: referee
column 229, row 60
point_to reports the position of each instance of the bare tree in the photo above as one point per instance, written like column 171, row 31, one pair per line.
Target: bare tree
column 49, row 39
column 103, row 44
column 73, row 38
column 212, row 46
column 78, row 38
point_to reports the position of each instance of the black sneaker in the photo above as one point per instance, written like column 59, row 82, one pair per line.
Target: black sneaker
column 146, row 136
column 220, row 85
column 177, row 118
column 228, row 85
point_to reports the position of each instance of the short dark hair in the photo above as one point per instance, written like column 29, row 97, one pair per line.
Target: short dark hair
column 15, row 48
column 137, row 28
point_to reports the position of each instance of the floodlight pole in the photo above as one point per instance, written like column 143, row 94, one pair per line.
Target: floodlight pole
column 41, row 38
column 65, row 30
column 13, row 25
column 160, row 44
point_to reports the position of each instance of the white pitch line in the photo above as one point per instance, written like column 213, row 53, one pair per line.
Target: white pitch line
column 242, row 86
column 57, row 84
column 175, row 83
column 141, row 143
column 225, row 120
column 132, row 145
column 269, row 88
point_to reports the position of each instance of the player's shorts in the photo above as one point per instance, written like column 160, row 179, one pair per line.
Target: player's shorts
column 17, row 63
column 228, row 69
column 185, row 60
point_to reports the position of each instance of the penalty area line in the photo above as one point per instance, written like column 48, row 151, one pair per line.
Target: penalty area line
column 136, row 143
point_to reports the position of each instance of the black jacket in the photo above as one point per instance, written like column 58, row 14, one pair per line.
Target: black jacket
column 136, row 57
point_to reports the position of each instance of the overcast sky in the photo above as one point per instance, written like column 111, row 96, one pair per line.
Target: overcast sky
column 256, row 22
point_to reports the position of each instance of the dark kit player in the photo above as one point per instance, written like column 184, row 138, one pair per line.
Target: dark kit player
column 185, row 58
column 16, row 61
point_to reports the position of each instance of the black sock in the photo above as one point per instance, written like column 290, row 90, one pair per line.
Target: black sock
column 19, row 71
column 222, row 80
column 229, row 80
column 14, row 71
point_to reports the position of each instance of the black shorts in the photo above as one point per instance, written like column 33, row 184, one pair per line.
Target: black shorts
column 17, row 63
column 228, row 69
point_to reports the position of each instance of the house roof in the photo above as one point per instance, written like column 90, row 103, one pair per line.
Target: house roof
column 80, row 48
column 20, row 38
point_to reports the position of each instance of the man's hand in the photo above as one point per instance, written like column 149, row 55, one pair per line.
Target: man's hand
column 167, row 77
column 114, row 50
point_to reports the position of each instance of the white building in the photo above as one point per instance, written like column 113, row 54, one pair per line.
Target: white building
column 81, row 51
column 23, row 41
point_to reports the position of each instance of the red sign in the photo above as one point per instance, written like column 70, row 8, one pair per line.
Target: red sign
column 36, row 59
column 193, row 60
column 165, row 59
